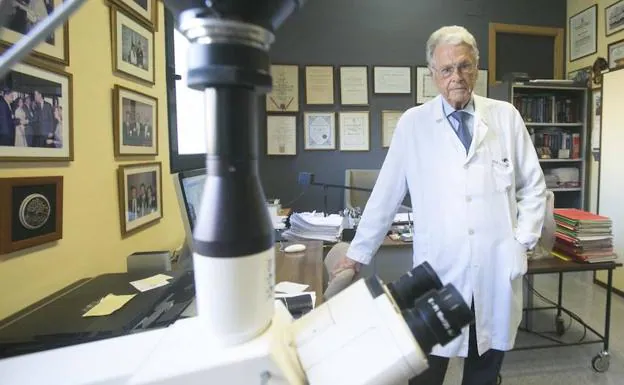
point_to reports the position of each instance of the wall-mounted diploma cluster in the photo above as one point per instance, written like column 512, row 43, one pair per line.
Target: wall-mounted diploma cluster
column 323, row 89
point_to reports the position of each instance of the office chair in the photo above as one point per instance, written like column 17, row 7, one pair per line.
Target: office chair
column 343, row 279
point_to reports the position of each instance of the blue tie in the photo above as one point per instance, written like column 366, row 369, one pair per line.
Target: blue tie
column 462, row 131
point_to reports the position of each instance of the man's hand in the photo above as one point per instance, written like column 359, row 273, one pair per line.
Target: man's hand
column 345, row 263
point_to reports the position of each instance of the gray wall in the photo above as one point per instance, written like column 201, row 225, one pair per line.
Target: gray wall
column 373, row 32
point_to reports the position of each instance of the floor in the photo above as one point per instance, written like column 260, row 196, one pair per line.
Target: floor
column 569, row 365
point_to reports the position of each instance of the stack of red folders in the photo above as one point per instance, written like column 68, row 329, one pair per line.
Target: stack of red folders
column 583, row 236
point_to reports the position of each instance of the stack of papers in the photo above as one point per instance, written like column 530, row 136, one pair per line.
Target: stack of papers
column 583, row 236
column 305, row 226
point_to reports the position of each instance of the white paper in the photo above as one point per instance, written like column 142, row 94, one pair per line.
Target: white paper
column 108, row 305
column 152, row 282
column 290, row 287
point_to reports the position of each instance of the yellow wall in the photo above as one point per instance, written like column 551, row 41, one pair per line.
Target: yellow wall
column 575, row 6
column 92, row 242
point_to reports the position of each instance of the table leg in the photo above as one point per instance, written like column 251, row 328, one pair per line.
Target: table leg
column 560, row 295
column 608, row 309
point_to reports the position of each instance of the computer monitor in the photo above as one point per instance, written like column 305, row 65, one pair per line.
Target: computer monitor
column 189, row 186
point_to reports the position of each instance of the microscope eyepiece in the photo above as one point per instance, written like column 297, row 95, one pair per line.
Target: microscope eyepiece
column 437, row 317
column 411, row 285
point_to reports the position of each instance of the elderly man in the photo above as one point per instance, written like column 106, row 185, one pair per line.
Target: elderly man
column 478, row 199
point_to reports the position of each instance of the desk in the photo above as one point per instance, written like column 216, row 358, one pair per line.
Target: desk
column 600, row 362
column 305, row 267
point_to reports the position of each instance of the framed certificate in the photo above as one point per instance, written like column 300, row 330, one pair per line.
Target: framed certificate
column 319, row 84
column 284, row 96
column 354, row 131
column 354, row 85
column 392, row 80
column 583, row 33
column 389, row 120
column 281, row 135
column 614, row 17
column 616, row 52
column 319, row 130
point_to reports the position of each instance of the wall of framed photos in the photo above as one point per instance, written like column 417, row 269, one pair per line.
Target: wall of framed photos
column 373, row 35
column 109, row 75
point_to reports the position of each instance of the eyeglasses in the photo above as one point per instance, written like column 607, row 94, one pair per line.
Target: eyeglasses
column 462, row 68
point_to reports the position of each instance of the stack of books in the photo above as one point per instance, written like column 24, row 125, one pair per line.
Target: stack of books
column 583, row 236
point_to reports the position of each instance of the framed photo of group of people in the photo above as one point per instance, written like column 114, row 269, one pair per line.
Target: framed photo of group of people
column 135, row 113
column 36, row 94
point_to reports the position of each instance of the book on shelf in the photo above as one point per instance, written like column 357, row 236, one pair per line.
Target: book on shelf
column 541, row 108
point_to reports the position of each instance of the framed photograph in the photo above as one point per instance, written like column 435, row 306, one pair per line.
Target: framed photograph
column 34, row 212
column 614, row 18
column 133, row 47
column 143, row 10
column 281, row 135
column 389, row 120
column 36, row 114
column 135, row 122
column 140, row 195
column 581, row 75
column 583, row 33
column 284, row 95
column 354, row 131
column 354, row 85
column 319, row 130
column 392, row 80
column 616, row 54
column 319, row 82
column 24, row 15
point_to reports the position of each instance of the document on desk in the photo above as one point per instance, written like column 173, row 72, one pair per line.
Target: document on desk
column 152, row 282
column 108, row 305
column 290, row 287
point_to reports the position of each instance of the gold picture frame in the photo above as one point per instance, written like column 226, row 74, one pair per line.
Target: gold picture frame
column 145, row 11
column 40, row 98
column 140, row 196
column 135, row 122
column 23, row 18
column 133, row 47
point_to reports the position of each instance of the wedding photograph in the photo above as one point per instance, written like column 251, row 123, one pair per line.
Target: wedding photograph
column 35, row 106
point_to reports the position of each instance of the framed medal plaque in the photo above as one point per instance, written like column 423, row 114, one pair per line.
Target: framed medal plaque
column 34, row 208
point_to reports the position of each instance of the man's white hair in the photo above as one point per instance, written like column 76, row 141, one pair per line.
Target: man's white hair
column 453, row 35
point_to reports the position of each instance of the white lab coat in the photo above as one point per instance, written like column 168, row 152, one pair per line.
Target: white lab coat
column 474, row 215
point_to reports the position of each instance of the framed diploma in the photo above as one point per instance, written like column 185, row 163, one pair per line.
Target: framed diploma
column 425, row 86
column 614, row 18
column 583, row 33
column 389, row 120
column 354, row 131
column 281, row 135
column 319, row 130
column 284, row 96
column 319, row 84
column 392, row 80
column 354, row 85
column 616, row 52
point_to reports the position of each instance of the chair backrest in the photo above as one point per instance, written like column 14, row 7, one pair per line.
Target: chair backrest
column 359, row 178
column 343, row 279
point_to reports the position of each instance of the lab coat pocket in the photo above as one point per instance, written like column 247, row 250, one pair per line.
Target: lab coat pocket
column 503, row 175
column 518, row 263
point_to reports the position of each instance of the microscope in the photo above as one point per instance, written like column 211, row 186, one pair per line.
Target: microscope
column 370, row 333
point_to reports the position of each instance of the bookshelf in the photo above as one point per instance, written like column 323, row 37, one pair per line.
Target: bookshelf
column 556, row 116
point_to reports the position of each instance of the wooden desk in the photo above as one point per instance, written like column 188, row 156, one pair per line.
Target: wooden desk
column 305, row 267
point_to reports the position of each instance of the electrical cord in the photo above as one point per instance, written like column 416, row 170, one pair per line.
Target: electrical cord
column 572, row 315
